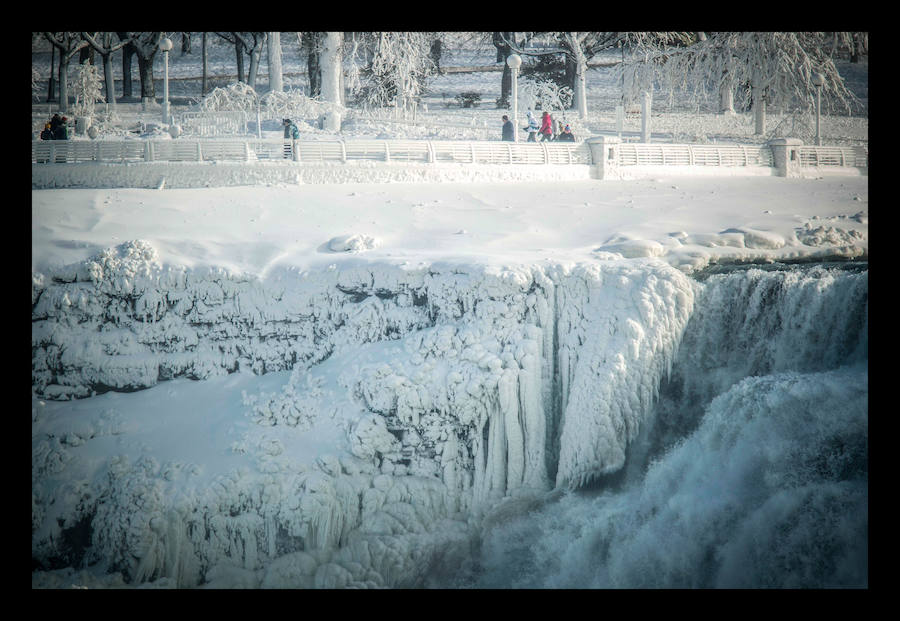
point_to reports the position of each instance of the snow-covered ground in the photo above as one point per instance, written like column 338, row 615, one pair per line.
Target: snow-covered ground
column 334, row 385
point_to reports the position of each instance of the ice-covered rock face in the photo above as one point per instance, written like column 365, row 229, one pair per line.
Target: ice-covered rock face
column 501, row 382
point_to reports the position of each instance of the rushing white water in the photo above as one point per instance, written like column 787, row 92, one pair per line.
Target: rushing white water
column 769, row 488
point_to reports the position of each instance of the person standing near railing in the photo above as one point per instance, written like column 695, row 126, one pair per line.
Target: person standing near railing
column 508, row 130
column 546, row 130
column 290, row 133
column 566, row 135
column 532, row 128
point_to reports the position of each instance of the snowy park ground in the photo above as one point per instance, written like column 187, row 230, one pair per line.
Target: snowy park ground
column 199, row 465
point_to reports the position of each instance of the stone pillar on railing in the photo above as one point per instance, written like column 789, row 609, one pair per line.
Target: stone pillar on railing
column 786, row 156
column 604, row 156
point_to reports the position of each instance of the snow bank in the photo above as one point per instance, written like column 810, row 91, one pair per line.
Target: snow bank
column 451, row 386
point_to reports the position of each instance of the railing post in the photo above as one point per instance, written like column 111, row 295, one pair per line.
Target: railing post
column 604, row 155
column 199, row 152
column 786, row 156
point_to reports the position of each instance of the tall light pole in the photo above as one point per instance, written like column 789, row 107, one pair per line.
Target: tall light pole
column 515, row 61
column 819, row 81
column 165, row 45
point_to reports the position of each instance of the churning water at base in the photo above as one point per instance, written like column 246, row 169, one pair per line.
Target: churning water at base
column 754, row 474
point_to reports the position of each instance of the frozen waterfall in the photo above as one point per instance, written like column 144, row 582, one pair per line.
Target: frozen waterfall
column 415, row 410
column 760, row 473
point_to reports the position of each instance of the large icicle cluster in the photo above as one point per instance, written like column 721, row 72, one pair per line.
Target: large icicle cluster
column 499, row 382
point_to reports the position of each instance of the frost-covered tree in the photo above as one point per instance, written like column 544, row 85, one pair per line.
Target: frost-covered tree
column 204, row 62
column 544, row 95
column 311, row 44
column 752, row 67
column 144, row 45
column 399, row 66
column 67, row 44
column 249, row 43
column 88, row 89
column 105, row 44
column 576, row 47
column 253, row 43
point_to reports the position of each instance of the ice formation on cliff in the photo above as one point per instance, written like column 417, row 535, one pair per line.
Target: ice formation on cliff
column 457, row 385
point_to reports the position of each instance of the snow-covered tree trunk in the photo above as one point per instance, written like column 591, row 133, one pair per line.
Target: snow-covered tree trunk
column 102, row 42
column 581, row 84
column 726, row 95
column 331, row 78
column 273, row 48
column 204, row 56
column 759, row 104
column 145, row 70
column 63, row 80
column 146, row 45
column 68, row 44
column 127, row 53
column 255, row 53
column 110, row 82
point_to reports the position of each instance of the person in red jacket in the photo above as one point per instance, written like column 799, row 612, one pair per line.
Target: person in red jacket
column 546, row 130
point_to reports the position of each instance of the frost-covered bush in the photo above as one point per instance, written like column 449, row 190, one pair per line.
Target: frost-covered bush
column 544, row 95
column 399, row 67
column 294, row 104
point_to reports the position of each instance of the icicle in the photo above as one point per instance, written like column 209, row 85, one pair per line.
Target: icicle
column 508, row 400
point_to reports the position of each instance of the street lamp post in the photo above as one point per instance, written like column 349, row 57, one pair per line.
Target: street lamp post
column 819, row 81
column 165, row 45
column 515, row 61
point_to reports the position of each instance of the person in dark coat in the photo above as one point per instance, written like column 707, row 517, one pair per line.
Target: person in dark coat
column 291, row 133
column 62, row 130
column 508, row 130
column 47, row 134
column 55, row 120
column 566, row 135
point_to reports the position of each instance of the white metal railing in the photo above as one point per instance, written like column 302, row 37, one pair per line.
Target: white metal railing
column 219, row 123
column 632, row 154
column 200, row 150
column 426, row 151
column 857, row 157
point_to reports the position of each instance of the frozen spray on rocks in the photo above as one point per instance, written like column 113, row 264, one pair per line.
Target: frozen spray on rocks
column 444, row 389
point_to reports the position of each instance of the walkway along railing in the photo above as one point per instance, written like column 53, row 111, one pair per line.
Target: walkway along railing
column 200, row 150
column 782, row 154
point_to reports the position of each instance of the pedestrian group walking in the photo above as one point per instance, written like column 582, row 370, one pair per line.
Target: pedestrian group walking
column 544, row 129
column 57, row 128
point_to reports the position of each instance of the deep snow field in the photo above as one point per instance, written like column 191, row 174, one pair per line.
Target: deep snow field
column 513, row 384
